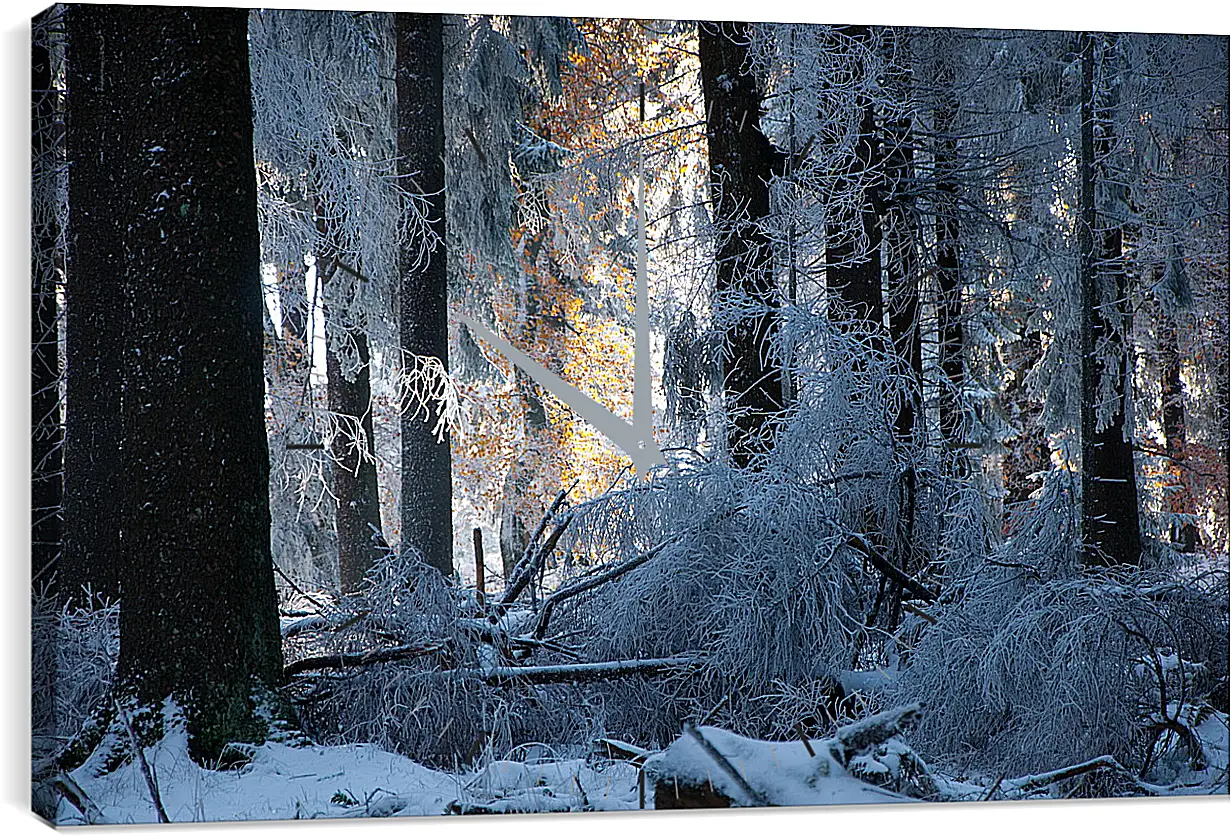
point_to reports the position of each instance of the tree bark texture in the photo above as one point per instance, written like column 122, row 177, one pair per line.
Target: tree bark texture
column 427, row 478
column 199, row 621
column 94, row 301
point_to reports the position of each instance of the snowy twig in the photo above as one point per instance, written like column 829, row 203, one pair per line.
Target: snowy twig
column 76, row 795
column 146, row 771
column 535, row 553
column 886, row 567
column 590, row 582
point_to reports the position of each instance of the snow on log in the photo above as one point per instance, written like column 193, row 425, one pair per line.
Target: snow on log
column 864, row 763
column 578, row 672
column 866, row 733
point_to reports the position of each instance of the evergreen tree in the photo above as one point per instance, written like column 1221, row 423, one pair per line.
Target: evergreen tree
column 742, row 161
column 427, row 480
column 199, row 622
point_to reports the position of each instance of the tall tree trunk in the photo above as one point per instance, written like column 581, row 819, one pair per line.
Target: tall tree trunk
column 949, row 270
column 1110, row 522
column 741, row 162
column 199, row 620
column 427, row 470
column 852, row 248
column 95, row 316
column 902, row 294
column 47, row 430
column 853, row 242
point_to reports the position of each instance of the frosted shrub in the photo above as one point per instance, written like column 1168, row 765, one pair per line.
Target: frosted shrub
column 755, row 579
column 82, row 641
column 1035, row 663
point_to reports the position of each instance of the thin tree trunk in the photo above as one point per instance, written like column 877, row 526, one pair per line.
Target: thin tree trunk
column 741, row 163
column 427, row 478
column 95, row 315
column 353, row 451
column 357, row 517
column 199, row 621
column 902, row 280
column 1110, row 518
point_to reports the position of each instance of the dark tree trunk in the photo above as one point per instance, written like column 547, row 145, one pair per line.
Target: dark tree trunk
column 741, row 162
column 357, row 518
column 852, row 261
column 95, row 316
column 1175, row 434
column 47, row 430
column 853, row 242
column 949, row 270
column 427, row 477
column 1110, row 522
column 199, row 620
column 902, row 294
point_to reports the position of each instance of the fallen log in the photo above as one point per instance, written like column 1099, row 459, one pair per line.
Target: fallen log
column 874, row 730
column 343, row 660
column 576, row 672
column 1033, row 782
column 754, row 796
column 863, row 762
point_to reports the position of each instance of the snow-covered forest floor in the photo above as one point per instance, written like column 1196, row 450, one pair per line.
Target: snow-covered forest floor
column 868, row 758
column 305, row 781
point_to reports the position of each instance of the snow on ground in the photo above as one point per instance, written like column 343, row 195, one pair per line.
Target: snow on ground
column 298, row 782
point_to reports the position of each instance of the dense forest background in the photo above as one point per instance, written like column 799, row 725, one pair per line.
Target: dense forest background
column 938, row 365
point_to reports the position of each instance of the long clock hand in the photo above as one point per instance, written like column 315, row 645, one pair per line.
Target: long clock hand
column 643, row 450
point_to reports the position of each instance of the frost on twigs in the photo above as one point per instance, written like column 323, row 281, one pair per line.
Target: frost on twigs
column 426, row 391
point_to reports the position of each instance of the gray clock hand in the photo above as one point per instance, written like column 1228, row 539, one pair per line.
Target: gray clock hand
column 643, row 450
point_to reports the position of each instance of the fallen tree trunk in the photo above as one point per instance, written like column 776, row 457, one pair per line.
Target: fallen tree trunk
column 863, row 762
column 576, row 672
column 552, row 674
column 1033, row 782
column 343, row 660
